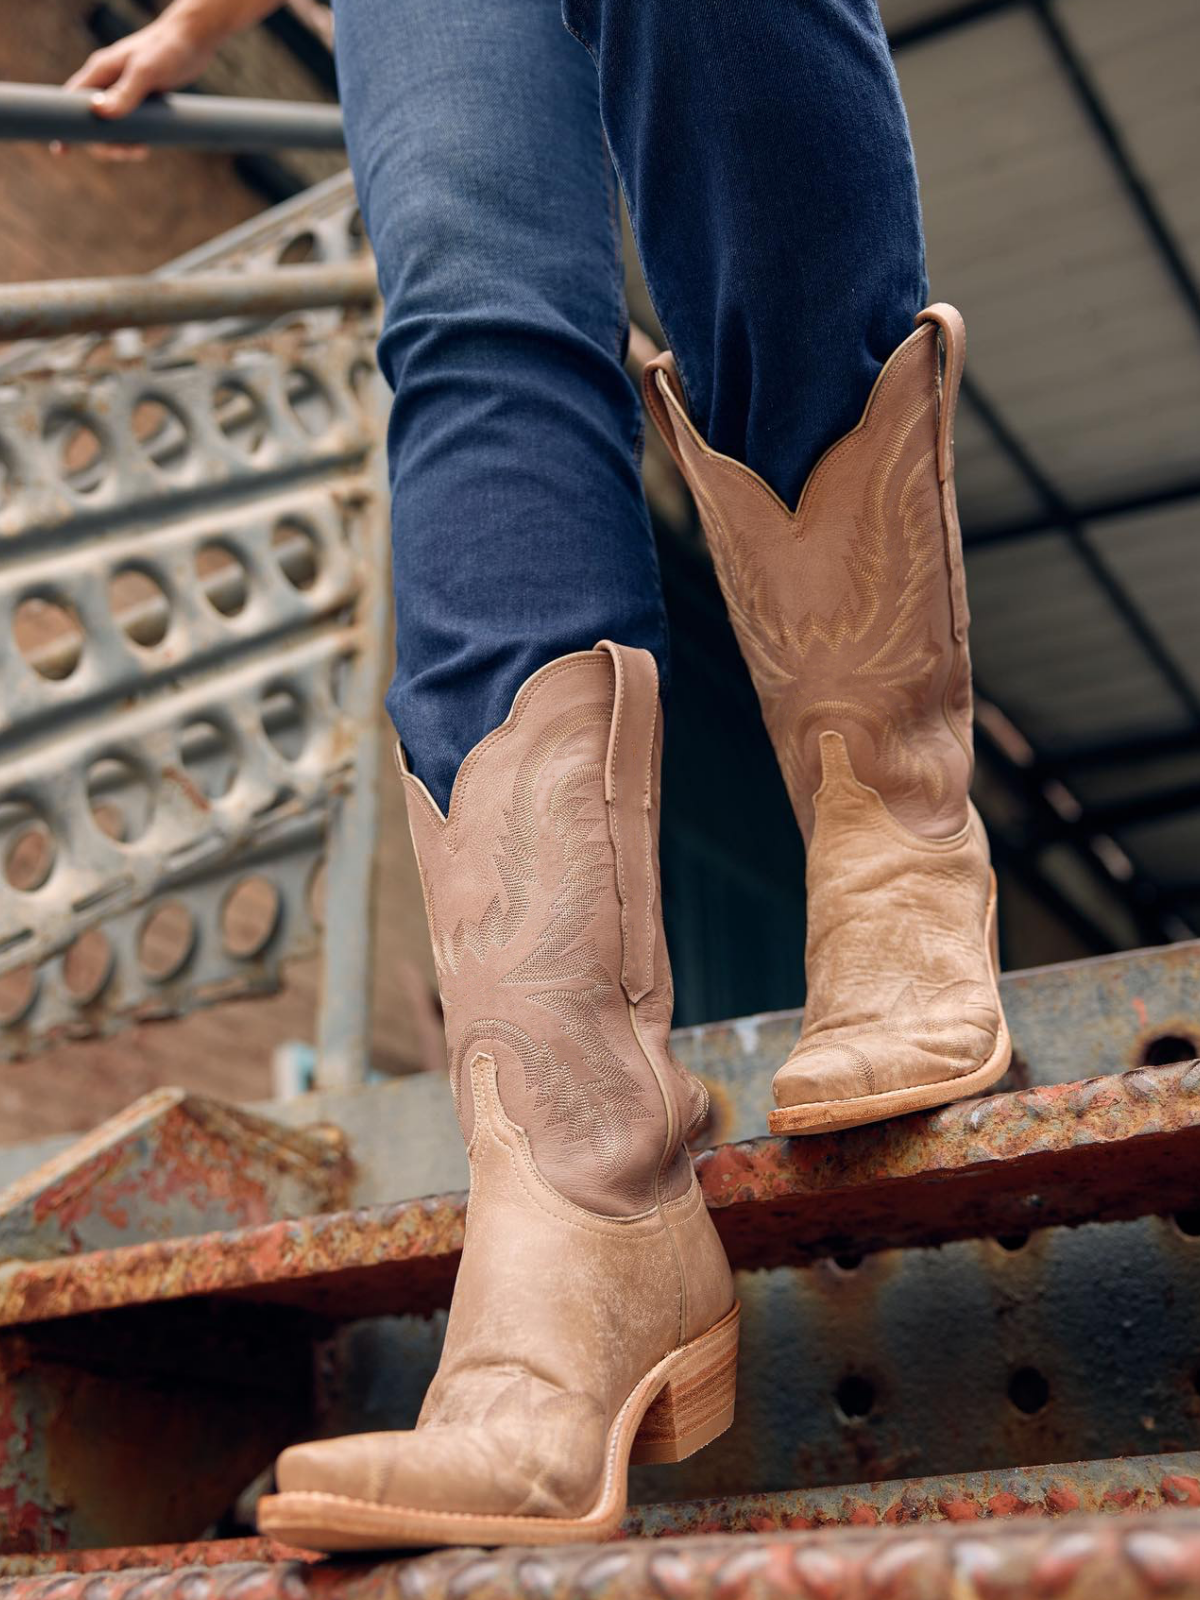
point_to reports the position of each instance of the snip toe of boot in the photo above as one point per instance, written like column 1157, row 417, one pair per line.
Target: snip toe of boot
column 472, row 1469
column 824, row 1072
column 347, row 1466
column 872, row 1064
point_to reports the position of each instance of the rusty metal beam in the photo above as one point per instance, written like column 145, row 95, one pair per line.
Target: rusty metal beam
column 160, row 1557
column 172, row 1164
column 98, row 305
column 1117, row 1147
column 1077, row 1558
column 1127, row 1485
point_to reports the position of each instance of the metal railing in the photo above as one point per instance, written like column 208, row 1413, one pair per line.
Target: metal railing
column 200, row 122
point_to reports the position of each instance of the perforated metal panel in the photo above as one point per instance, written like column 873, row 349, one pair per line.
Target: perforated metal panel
column 191, row 549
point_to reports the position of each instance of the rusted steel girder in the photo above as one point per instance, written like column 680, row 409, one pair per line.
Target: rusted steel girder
column 1077, row 1020
column 1122, row 1487
column 1116, row 1147
column 159, row 1557
column 173, row 1164
column 1130, row 1484
column 1078, row 1558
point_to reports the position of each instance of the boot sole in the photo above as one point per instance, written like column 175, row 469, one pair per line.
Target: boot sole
column 681, row 1405
column 829, row 1116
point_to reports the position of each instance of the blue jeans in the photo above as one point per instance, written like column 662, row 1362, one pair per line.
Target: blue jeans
column 764, row 155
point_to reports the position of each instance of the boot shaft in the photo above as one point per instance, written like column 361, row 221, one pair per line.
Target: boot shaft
column 542, row 893
column 851, row 610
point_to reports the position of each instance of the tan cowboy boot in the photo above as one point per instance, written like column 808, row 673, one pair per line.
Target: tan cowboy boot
column 851, row 612
column 593, row 1320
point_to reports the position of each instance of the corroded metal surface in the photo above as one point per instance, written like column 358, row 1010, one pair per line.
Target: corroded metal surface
column 1137, row 1484
column 1079, row 1558
column 159, row 1557
column 1106, row 1148
column 126, row 1434
column 172, row 1165
column 1078, row 1020
column 349, row 1263
column 1123, row 1487
column 1114, row 1147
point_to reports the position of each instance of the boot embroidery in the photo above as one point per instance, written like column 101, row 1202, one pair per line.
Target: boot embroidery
column 881, row 654
column 558, row 967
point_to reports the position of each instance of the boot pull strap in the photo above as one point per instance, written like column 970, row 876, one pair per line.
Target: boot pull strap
column 954, row 342
column 628, row 794
column 660, row 377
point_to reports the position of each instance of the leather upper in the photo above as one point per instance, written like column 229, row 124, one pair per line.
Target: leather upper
column 541, row 888
column 851, row 611
column 589, row 1252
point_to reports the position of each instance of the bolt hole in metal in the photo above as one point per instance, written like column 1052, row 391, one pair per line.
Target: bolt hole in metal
column 250, row 917
column 49, row 635
column 224, row 581
column 1012, row 1241
column 284, row 720
column 240, row 415
column 309, row 401
column 120, row 798
column 27, row 846
column 77, row 449
column 1169, row 1047
column 298, row 552
column 162, row 431
column 1028, row 1390
column 848, row 1261
column 139, row 603
column 87, row 966
column 1188, row 1222
column 855, row 1396
column 208, row 753
column 18, row 991
column 300, row 247
column 167, row 940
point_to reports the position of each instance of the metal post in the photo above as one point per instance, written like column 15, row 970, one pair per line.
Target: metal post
column 344, row 1022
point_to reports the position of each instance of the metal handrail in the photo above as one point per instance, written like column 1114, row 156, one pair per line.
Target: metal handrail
column 98, row 305
column 200, row 121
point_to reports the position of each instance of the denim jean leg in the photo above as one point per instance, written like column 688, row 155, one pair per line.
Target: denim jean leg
column 520, row 531
column 765, row 156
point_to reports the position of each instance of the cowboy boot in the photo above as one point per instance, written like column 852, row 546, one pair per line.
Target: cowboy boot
column 851, row 612
column 593, row 1320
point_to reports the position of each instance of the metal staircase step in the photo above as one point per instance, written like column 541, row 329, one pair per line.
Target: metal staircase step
column 1073, row 1558
column 1114, row 1147
column 1126, row 1485
column 170, row 1165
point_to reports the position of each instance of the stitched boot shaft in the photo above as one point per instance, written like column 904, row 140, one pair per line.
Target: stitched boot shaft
column 851, row 612
column 541, row 890
column 589, row 1254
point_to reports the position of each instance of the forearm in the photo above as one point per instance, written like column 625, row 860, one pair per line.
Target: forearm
column 210, row 22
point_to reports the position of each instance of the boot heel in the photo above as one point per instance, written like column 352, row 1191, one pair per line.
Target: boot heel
column 696, row 1402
